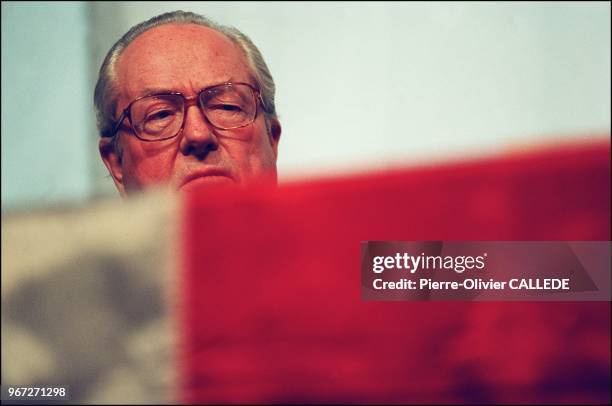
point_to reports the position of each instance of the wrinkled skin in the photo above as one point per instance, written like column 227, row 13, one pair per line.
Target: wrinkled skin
column 187, row 58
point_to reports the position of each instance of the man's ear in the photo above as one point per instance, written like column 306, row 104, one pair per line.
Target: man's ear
column 112, row 160
column 275, row 130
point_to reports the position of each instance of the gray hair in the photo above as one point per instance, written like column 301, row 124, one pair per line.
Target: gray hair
column 105, row 95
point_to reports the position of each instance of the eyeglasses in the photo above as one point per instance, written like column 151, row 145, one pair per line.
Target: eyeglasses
column 162, row 116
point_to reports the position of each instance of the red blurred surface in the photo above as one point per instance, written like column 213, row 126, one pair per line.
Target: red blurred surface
column 272, row 309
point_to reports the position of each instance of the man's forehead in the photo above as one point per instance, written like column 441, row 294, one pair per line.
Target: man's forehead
column 181, row 57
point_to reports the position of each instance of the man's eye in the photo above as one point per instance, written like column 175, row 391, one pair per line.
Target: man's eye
column 160, row 115
column 226, row 107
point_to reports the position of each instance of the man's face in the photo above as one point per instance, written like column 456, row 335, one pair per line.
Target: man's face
column 186, row 59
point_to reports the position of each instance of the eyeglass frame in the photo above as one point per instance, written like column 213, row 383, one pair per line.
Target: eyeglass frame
column 188, row 101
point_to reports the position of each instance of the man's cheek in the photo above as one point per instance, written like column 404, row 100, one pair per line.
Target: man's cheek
column 147, row 171
column 255, row 158
column 155, row 171
column 262, row 149
column 267, row 154
column 263, row 166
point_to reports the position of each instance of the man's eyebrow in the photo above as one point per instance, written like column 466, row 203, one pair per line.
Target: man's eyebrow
column 147, row 91
column 154, row 90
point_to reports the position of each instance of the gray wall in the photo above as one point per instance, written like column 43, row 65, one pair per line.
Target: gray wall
column 360, row 86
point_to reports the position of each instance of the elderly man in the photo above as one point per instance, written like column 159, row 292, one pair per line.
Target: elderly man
column 185, row 102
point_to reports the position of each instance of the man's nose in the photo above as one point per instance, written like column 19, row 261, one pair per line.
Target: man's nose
column 198, row 137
